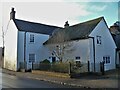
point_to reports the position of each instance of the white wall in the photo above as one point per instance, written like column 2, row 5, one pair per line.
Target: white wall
column 40, row 51
column 11, row 47
column 77, row 48
column 107, row 47
column 20, row 48
column 80, row 48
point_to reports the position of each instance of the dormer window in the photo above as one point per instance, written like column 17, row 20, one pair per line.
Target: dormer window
column 98, row 40
column 31, row 38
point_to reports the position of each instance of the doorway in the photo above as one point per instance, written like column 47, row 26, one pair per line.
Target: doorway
column 53, row 59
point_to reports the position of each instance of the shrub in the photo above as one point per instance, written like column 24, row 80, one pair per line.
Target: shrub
column 60, row 67
column 45, row 65
column 45, row 61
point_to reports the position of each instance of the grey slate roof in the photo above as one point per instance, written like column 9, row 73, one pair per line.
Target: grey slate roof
column 75, row 32
column 34, row 27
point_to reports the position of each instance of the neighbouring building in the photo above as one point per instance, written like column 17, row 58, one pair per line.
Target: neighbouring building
column 29, row 42
column 115, row 31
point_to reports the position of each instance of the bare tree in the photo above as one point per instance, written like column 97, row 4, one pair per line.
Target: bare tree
column 3, row 37
column 3, row 34
column 61, row 44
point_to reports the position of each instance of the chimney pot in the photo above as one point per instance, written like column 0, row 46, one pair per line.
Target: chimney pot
column 66, row 24
column 12, row 14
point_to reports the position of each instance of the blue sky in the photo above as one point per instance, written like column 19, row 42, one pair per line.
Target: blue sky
column 96, row 9
column 56, row 13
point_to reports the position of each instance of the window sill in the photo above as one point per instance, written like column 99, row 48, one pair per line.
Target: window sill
column 31, row 42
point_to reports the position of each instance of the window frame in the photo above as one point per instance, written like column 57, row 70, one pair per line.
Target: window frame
column 107, row 59
column 32, row 38
column 77, row 58
column 98, row 40
column 32, row 57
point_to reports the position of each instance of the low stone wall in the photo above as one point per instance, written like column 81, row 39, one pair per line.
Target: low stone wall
column 53, row 74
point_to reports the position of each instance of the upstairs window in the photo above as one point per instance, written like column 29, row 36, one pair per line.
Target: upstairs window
column 31, row 38
column 98, row 40
column 77, row 58
column 31, row 57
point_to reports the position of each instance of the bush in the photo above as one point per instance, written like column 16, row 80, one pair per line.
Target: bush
column 45, row 61
column 60, row 67
column 45, row 65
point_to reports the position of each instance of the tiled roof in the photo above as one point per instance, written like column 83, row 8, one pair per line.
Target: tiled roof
column 34, row 27
column 75, row 32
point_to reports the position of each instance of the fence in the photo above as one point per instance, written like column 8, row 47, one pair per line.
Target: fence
column 66, row 67
column 84, row 67
column 62, row 67
column 54, row 67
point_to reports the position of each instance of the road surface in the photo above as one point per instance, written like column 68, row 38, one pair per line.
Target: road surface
column 10, row 81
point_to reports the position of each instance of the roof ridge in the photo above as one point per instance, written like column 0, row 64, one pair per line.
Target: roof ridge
column 88, row 21
column 28, row 26
column 37, row 23
column 75, row 32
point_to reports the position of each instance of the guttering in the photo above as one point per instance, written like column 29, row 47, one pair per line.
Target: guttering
column 25, row 50
column 94, row 52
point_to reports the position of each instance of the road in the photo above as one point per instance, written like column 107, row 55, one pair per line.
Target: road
column 9, row 81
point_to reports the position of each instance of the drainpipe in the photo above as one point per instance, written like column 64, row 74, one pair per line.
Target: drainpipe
column 25, row 50
column 93, row 52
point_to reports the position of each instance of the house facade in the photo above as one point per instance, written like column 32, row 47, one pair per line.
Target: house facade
column 24, row 43
column 29, row 42
column 88, row 41
column 115, row 31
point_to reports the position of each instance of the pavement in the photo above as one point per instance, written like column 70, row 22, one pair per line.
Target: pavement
column 109, row 80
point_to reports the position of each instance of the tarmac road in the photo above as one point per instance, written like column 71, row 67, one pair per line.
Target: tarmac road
column 10, row 81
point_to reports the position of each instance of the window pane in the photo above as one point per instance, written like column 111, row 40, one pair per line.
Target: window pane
column 31, row 57
column 77, row 57
column 106, row 59
column 31, row 37
column 98, row 39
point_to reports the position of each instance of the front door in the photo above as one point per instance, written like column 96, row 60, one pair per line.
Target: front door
column 53, row 59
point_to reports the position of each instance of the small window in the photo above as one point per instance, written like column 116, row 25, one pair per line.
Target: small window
column 78, row 63
column 77, row 58
column 31, row 37
column 106, row 59
column 31, row 57
column 99, row 40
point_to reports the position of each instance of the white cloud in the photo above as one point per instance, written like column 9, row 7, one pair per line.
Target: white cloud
column 98, row 8
column 50, row 13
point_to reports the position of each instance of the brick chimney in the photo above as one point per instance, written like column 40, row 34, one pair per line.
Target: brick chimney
column 12, row 14
column 66, row 24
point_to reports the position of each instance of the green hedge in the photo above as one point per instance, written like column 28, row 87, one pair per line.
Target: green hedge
column 60, row 67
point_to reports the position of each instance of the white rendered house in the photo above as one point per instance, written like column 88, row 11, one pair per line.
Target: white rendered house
column 27, row 42
column 33, row 42
column 88, row 41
